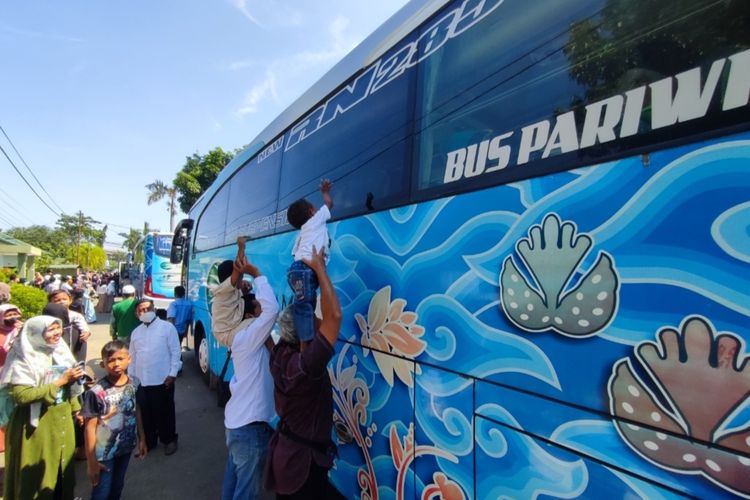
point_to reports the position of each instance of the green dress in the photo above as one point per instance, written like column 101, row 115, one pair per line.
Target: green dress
column 36, row 456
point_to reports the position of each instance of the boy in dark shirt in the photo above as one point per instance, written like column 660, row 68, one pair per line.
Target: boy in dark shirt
column 113, row 423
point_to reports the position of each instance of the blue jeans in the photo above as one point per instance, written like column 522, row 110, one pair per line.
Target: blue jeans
column 248, row 447
column 112, row 480
column 304, row 284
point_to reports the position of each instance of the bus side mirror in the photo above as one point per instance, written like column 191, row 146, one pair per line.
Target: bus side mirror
column 178, row 249
column 179, row 241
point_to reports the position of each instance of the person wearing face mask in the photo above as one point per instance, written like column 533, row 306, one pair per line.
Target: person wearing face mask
column 155, row 361
column 10, row 325
column 41, row 377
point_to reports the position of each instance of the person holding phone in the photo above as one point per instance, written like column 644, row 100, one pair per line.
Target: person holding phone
column 40, row 376
column 79, row 332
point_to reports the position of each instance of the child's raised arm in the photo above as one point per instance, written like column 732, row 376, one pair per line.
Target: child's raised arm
column 240, row 247
column 325, row 189
column 239, row 262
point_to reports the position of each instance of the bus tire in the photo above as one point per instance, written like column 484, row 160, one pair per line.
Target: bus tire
column 201, row 354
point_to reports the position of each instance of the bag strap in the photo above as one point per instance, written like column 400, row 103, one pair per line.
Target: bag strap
column 328, row 447
column 226, row 365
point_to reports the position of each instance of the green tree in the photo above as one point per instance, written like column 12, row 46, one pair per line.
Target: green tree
column 53, row 242
column 102, row 236
column 132, row 237
column 80, row 228
column 116, row 256
column 92, row 257
column 633, row 43
column 157, row 191
column 198, row 173
column 131, row 240
column 30, row 300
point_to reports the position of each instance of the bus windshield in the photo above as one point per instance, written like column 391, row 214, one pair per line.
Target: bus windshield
column 163, row 245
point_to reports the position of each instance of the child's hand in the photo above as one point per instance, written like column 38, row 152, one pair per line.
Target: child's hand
column 94, row 469
column 142, row 449
column 239, row 264
column 325, row 186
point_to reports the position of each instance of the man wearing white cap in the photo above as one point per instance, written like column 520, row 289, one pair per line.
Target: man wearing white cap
column 124, row 320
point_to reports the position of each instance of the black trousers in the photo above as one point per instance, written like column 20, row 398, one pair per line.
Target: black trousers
column 316, row 487
column 157, row 410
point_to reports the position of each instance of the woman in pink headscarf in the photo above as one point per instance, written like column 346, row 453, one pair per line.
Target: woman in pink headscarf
column 10, row 325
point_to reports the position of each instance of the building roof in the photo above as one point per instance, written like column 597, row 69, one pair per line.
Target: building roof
column 12, row 246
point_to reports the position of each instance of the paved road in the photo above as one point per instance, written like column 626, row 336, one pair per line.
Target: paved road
column 196, row 470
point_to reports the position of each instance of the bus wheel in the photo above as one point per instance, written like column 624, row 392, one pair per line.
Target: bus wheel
column 201, row 354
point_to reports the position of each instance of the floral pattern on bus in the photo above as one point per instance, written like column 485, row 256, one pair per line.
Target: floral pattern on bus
column 351, row 398
column 552, row 253
column 403, row 453
column 390, row 329
column 680, row 364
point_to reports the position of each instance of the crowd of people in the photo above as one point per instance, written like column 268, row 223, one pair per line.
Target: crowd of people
column 48, row 414
column 52, row 412
column 91, row 292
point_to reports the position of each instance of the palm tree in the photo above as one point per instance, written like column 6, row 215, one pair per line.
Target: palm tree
column 157, row 191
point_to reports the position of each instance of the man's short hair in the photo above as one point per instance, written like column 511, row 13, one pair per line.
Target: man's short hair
column 298, row 213
column 111, row 347
column 52, row 294
column 179, row 291
column 224, row 270
column 287, row 333
column 141, row 301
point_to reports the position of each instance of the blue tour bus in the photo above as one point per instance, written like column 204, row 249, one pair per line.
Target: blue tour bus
column 156, row 278
column 541, row 243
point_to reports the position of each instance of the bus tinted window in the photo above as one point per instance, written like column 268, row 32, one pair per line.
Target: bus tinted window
column 252, row 196
column 507, row 99
column 211, row 226
column 356, row 139
column 163, row 245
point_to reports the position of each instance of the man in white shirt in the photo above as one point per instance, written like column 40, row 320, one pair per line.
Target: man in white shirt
column 250, row 408
column 155, row 361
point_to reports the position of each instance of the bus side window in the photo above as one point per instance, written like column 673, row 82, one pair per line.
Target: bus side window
column 365, row 150
column 211, row 225
column 253, row 195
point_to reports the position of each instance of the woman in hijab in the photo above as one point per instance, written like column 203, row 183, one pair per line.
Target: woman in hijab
column 41, row 377
column 69, row 336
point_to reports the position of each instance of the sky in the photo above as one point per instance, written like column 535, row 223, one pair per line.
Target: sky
column 102, row 98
